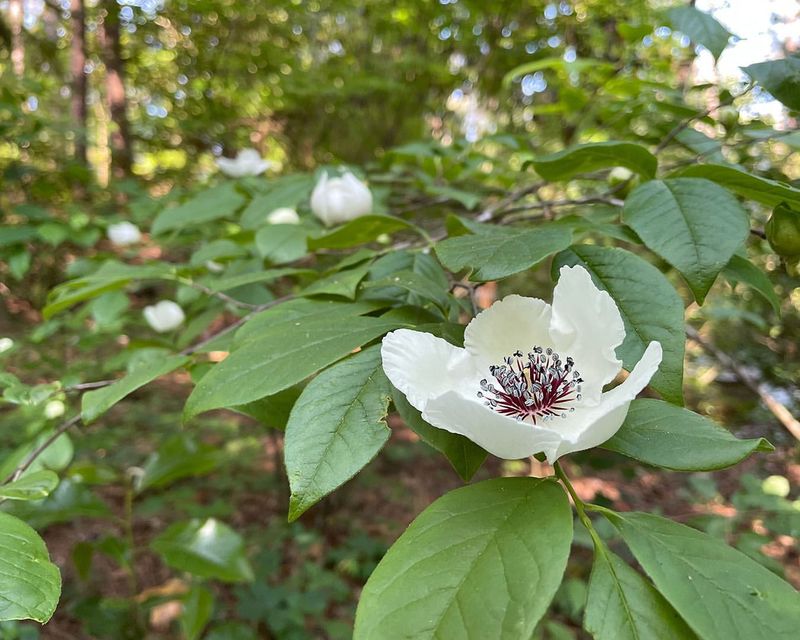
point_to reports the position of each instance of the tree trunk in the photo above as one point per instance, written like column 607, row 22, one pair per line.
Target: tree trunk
column 121, row 142
column 79, row 80
column 15, row 18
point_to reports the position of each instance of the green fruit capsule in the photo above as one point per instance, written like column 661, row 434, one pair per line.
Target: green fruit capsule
column 783, row 231
column 728, row 117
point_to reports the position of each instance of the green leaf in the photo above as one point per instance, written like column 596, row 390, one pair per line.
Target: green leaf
column 31, row 486
column 661, row 434
column 483, row 561
column 30, row 584
column 279, row 357
column 496, row 255
column 721, row 593
column 254, row 277
column 415, row 283
column 281, row 243
column 585, row 158
column 205, row 548
column 780, row 77
column 700, row 27
column 740, row 269
column 222, row 201
column 358, row 231
column 692, row 223
column 217, row 249
column 623, row 605
column 69, row 502
column 469, row 200
column 16, row 235
column 286, row 191
column 336, row 427
column 96, row 403
column 197, row 609
column 650, row 309
column 176, row 458
column 557, row 63
column 339, row 283
column 747, row 185
column 465, row 456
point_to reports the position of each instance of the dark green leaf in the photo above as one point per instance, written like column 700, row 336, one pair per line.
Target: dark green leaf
column 358, row 231
column 176, row 458
column 336, row 427
column 281, row 243
column 650, row 309
column 747, row 185
column 661, row 434
column 69, row 502
column 222, row 201
column 31, row 486
column 483, row 561
column 740, row 269
column 197, row 609
column 780, row 77
column 286, row 191
column 700, row 27
column 585, row 158
column 496, row 255
column 692, row 223
column 339, row 283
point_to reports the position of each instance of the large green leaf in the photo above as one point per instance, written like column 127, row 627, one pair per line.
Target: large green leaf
column 721, row 593
column 780, row 77
column 465, row 456
column 741, row 269
column 692, row 223
column 700, row 27
column 483, row 561
column 650, row 309
column 285, row 191
column 31, row 486
column 501, row 253
column 96, row 403
column 661, row 434
column 358, row 231
column 585, row 158
column 205, row 548
column 254, row 277
column 69, row 502
column 339, row 283
column 279, row 357
column 623, row 605
column 336, row 427
column 280, row 243
column 222, row 201
column 30, row 584
column 747, row 185
column 176, row 458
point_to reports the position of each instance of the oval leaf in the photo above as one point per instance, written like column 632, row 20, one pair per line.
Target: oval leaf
column 720, row 592
column 222, row 201
column 700, row 27
column 31, row 486
column 650, row 308
column 598, row 155
column 336, row 427
column 747, row 185
column 692, row 223
column 483, row 561
column 780, row 77
column 30, row 584
column 358, row 231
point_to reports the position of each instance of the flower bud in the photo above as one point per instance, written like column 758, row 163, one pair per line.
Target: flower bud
column 337, row 200
column 283, row 215
column 164, row 316
column 783, row 231
column 123, row 234
column 248, row 162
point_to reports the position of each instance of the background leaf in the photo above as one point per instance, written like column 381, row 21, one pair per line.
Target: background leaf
column 585, row 158
column 700, row 27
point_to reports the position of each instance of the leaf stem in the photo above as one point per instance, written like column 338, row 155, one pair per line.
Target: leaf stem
column 580, row 505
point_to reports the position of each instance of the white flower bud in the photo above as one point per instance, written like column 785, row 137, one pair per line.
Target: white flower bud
column 248, row 162
column 164, row 316
column 283, row 215
column 214, row 267
column 338, row 200
column 123, row 234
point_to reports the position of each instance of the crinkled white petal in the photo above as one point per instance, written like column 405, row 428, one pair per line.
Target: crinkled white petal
column 422, row 366
column 500, row 435
column 511, row 324
column 586, row 324
column 591, row 426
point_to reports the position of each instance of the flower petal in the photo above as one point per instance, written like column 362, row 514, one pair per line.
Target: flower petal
column 423, row 366
column 511, row 324
column 500, row 435
column 591, row 426
column 586, row 325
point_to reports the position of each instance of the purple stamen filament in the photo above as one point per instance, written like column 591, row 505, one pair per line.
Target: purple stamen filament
column 537, row 388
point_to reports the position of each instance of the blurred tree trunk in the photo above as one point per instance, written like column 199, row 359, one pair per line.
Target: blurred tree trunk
column 121, row 142
column 15, row 18
column 79, row 79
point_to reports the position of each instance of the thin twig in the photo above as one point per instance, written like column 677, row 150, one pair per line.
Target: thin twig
column 491, row 210
column 549, row 204
column 62, row 428
column 217, row 294
column 770, row 401
column 86, row 386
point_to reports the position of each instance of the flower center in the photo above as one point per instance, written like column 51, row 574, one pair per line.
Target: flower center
column 539, row 387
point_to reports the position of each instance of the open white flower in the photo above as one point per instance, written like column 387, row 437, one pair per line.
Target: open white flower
column 124, row 233
column 336, row 200
column 248, row 162
column 164, row 316
column 530, row 376
column 283, row 215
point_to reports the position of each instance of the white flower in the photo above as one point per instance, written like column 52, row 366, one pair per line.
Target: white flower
column 530, row 376
column 6, row 344
column 214, row 267
column 248, row 162
column 338, row 200
column 54, row 409
column 619, row 174
column 124, row 233
column 283, row 215
column 164, row 316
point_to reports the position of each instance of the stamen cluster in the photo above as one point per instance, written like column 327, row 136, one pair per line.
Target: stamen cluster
column 539, row 387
